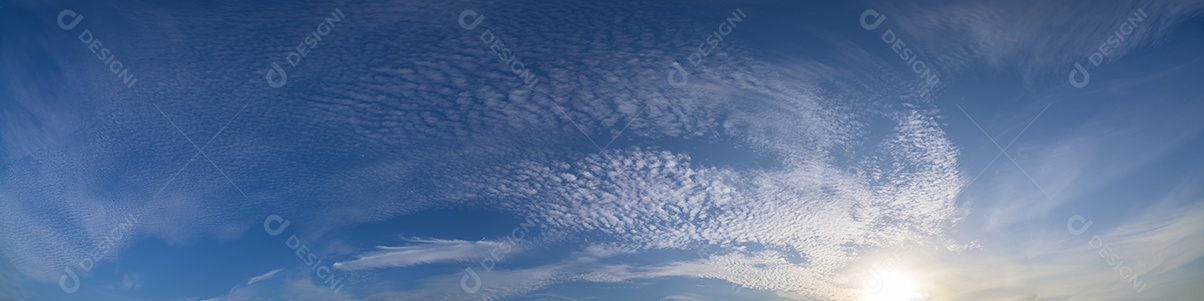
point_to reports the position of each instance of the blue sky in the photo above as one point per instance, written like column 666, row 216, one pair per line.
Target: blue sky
column 580, row 150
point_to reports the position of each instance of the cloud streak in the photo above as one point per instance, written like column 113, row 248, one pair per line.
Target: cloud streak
column 263, row 276
column 423, row 251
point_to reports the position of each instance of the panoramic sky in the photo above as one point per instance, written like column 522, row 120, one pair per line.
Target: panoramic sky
column 602, row 150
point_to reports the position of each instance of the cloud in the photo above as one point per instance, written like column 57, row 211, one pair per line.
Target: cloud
column 1072, row 161
column 595, row 265
column 263, row 276
column 830, row 184
column 1154, row 246
column 424, row 252
column 1016, row 34
column 500, row 282
column 683, row 298
column 290, row 288
column 131, row 281
column 477, row 116
column 803, row 220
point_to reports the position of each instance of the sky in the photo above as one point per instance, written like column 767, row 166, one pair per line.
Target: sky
column 601, row 150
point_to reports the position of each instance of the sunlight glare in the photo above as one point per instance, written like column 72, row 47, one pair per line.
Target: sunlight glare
column 890, row 284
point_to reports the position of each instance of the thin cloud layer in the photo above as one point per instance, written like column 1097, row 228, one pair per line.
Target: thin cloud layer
column 422, row 251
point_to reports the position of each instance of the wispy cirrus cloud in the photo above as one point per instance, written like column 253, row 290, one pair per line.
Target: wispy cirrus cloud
column 1156, row 245
column 267, row 275
column 422, row 251
column 1014, row 34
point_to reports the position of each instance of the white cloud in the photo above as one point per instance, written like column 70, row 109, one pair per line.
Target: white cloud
column 131, row 281
column 424, row 251
column 1015, row 34
column 263, row 276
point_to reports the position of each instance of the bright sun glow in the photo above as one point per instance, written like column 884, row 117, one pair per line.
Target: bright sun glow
column 890, row 284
